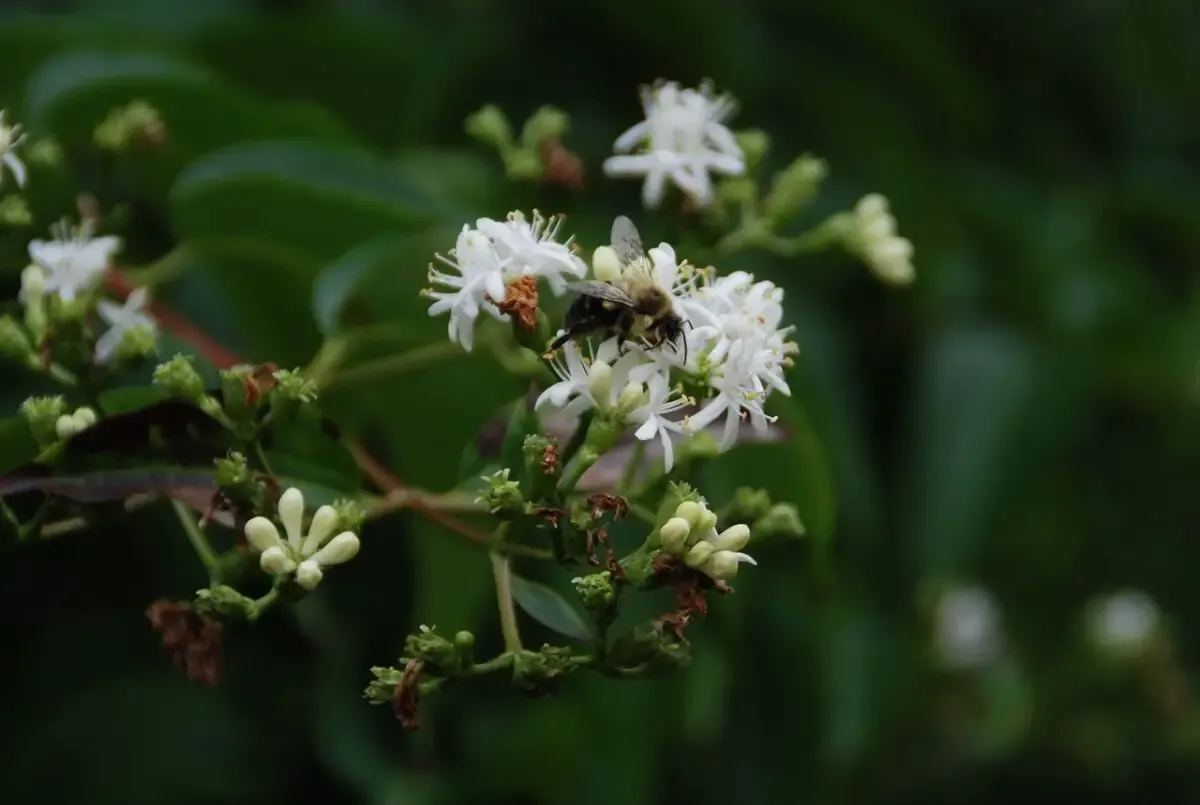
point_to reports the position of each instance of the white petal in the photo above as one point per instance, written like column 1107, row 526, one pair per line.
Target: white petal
column 632, row 136
column 291, row 514
column 652, row 190
column 276, row 562
column 262, row 534
column 309, row 575
column 17, row 167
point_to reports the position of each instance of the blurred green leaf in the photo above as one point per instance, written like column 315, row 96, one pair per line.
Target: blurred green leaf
column 550, row 609
column 130, row 398
column 304, row 204
column 17, row 446
column 338, row 283
column 522, row 421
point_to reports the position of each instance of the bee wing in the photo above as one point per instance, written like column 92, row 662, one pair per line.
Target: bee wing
column 603, row 290
column 626, row 241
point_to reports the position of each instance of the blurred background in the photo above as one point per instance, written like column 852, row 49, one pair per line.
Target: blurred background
column 1003, row 456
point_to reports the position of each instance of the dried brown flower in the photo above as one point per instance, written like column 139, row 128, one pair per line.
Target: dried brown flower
column 193, row 640
column 521, row 301
column 561, row 166
column 407, row 699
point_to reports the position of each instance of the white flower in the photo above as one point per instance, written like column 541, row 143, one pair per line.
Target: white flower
column 967, row 631
column 486, row 258
column 683, row 137
column 306, row 555
column 120, row 320
column 527, row 248
column 885, row 252
column 1122, row 623
column 73, row 261
column 10, row 138
column 657, row 402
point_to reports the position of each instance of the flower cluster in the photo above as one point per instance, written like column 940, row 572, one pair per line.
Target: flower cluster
column 304, row 555
column 691, row 534
column 877, row 244
column 682, row 139
column 490, row 256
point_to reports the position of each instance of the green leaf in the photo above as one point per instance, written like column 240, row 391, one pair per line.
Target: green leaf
column 302, row 448
column 304, row 204
column 17, row 446
column 130, row 398
column 522, row 421
column 337, row 285
column 550, row 609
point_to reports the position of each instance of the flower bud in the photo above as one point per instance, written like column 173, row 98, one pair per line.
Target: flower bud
column 340, row 549
column 600, row 381
column 673, row 535
column 33, row 284
column 13, row 340
column 754, row 144
column 350, row 515
column 733, row 538
column 15, row 212
column 275, row 561
column 233, row 470
column 522, row 164
column 794, row 188
column 783, row 519
column 690, row 511
column 179, row 377
column 64, row 426
column 137, row 343
column 464, row 640
column 606, row 266
column 84, row 418
column 707, row 521
column 324, row 520
column 699, row 555
column 490, row 125
column 45, row 152
column 223, row 600
column 631, row 397
column 595, row 591
column 42, row 414
column 262, row 534
column 501, row 495
column 309, row 575
column 547, row 123
column 722, row 565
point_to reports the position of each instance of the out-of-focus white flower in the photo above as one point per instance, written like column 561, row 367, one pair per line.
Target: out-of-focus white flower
column 10, row 138
column 876, row 241
column 120, row 320
column 1122, row 623
column 74, row 261
column 967, row 628
column 33, row 285
column 529, row 248
column 486, row 258
column 682, row 138
column 307, row 555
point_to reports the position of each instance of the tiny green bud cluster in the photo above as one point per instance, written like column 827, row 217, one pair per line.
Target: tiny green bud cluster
column 502, row 495
column 596, row 591
column 180, row 377
column 42, row 414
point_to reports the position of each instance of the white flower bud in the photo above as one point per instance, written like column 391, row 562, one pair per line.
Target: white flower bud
column 323, row 522
column 707, row 521
column 65, row 426
column 733, row 538
column 262, row 534
column 631, row 396
column 699, row 555
column 341, row 548
column 690, row 511
column 673, row 535
column 606, row 266
column 84, row 418
column 600, row 381
column 871, row 205
column 722, row 565
column 275, row 561
column 309, row 574
column 291, row 513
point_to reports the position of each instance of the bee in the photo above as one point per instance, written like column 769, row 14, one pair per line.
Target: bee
column 632, row 306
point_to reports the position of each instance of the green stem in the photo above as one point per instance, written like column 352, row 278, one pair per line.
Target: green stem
column 577, row 438
column 409, row 498
column 165, row 269
column 200, row 544
column 497, row 663
column 394, row 365
column 261, row 605
column 582, row 463
column 502, row 575
column 261, row 454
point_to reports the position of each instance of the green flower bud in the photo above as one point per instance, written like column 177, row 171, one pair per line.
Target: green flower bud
column 677, row 492
column 782, row 520
column 14, row 341
column 547, row 123
column 793, row 189
column 180, row 377
column 755, row 143
column 238, row 404
column 699, row 554
column 596, row 590
column 42, row 414
column 538, row 673
column 691, row 511
column 137, row 343
column 350, row 515
column 64, row 427
column 490, row 125
column 45, row 152
column 223, row 600
column 502, row 495
column 14, row 211
column 733, row 538
column 437, row 652
column 294, row 386
column 674, row 533
column 233, row 470
column 748, row 504
column 707, row 521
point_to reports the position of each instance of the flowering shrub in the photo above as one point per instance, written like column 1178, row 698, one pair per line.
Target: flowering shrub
column 609, row 439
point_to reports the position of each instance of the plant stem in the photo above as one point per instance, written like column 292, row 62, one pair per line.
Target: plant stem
column 577, row 438
column 261, row 605
column 502, row 575
column 582, row 463
column 200, row 544
column 394, row 365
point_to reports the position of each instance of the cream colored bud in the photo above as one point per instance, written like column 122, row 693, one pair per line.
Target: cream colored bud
column 722, row 565
column 262, row 534
column 699, row 555
column 673, row 535
column 606, row 266
column 691, row 511
column 84, row 418
column 33, row 283
column 600, row 381
column 65, row 426
column 291, row 513
column 275, row 561
column 309, row 574
column 323, row 522
column 733, row 538
column 707, row 521
column 341, row 548
column 631, row 396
